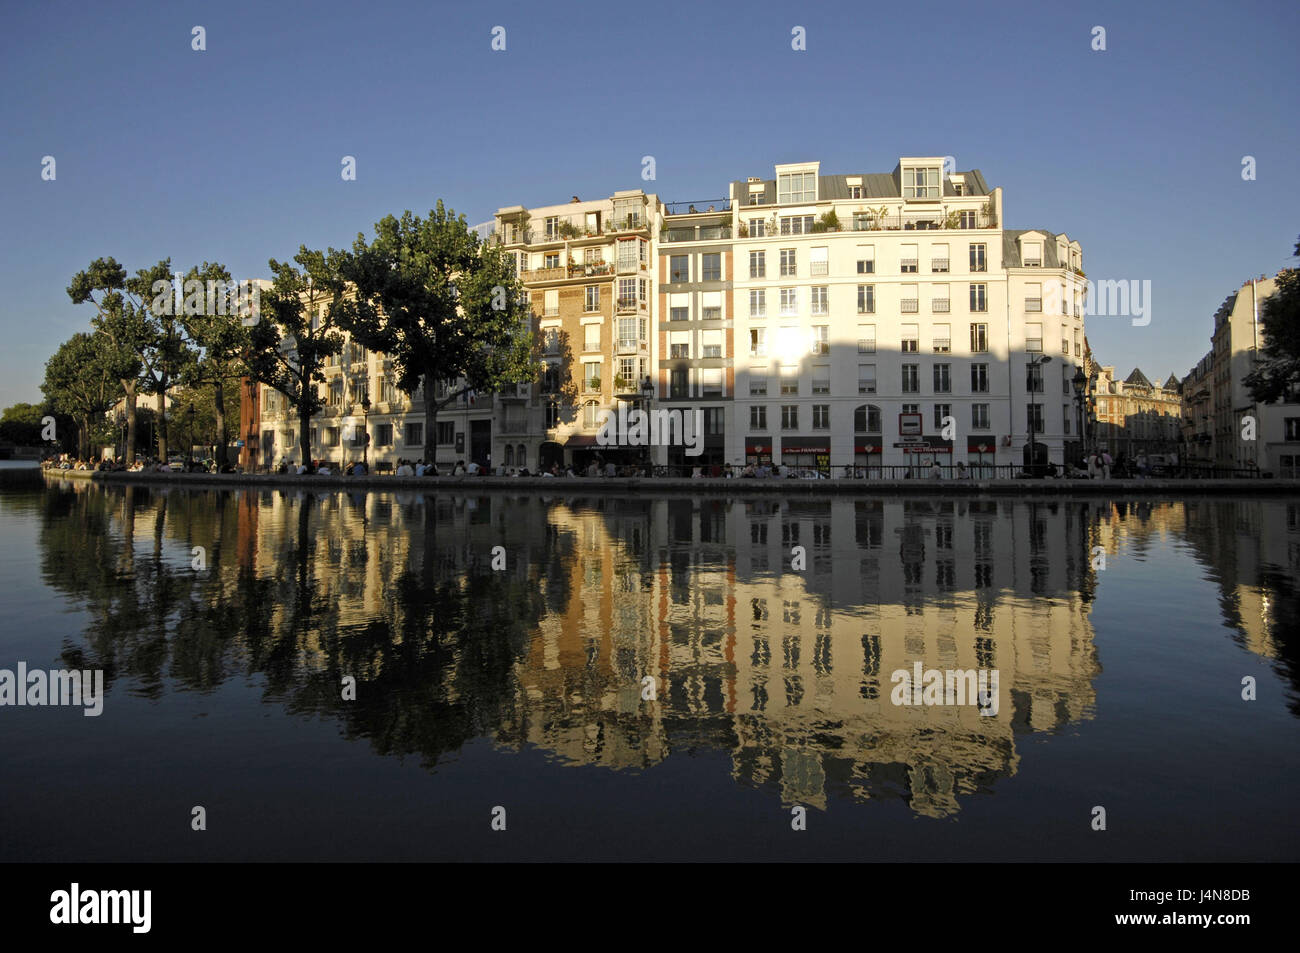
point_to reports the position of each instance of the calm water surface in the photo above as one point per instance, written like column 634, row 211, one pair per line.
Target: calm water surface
column 1119, row 686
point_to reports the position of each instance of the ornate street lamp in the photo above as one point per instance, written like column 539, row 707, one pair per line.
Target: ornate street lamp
column 365, row 443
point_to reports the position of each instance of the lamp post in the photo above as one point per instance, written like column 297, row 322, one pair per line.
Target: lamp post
column 1029, row 409
column 647, row 394
column 1080, row 384
column 189, row 453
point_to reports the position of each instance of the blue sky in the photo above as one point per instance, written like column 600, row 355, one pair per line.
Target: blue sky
column 233, row 154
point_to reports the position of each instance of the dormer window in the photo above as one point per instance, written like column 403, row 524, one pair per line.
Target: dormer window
column 796, row 188
column 1033, row 255
column 854, row 183
column 920, row 182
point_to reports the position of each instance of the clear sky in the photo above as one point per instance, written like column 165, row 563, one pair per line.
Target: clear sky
column 233, row 154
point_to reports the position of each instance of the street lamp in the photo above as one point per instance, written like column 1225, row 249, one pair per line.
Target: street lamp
column 1029, row 410
column 189, row 454
column 647, row 394
column 1080, row 384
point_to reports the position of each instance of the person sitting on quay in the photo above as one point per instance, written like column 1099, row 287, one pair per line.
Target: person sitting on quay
column 473, row 469
column 963, row 472
column 936, row 471
column 358, row 469
column 404, row 468
column 323, row 469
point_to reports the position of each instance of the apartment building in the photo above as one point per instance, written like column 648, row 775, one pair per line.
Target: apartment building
column 696, row 329
column 837, row 323
column 1217, row 403
column 887, row 319
column 588, row 270
column 1135, row 416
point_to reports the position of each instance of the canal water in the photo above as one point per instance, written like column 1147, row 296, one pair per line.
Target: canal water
column 380, row 676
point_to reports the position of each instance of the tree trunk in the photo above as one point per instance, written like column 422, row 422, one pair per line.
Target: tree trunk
column 219, row 414
column 304, row 432
column 430, row 422
column 129, row 387
column 162, row 420
column 83, row 439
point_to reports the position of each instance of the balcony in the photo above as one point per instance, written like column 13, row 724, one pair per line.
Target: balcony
column 554, row 273
column 819, row 268
column 940, row 305
column 920, row 221
column 942, row 345
column 1033, row 345
column 866, row 345
column 630, row 346
column 909, row 305
column 938, row 264
column 907, row 266
column 703, row 233
column 629, row 304
column 631, row 267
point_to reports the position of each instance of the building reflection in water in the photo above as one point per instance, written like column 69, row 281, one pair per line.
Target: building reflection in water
column 788, row 671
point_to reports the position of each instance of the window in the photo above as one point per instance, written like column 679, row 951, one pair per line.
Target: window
column 1065, row 416
column 758, row 382
column 590, row 414
column 940, row 412
column 551, row 379
column 1033, row 296
column 757, row 228
column 627, row 369
column 412, row 435
column 821, row 380
column 821, row 416
column 758, row 342
column 907, row 259
column 789, row 302
column 979, row 301
column 1033, row 255
column 336, row 392
column 866, row 378
column 789, row 262
column 794, row 188
column 855, row 191
column 911, row 408
column 979, row 338
column 758, row 303
column 920, row 182
column 757, row 264
column 818, row 263
column 789, row 379
column 711, row 343
column 966, row 220
column 758, row 417
column 940, row 338
column 1067, row 386
column 910, row 337
column 978, row 261
column 939, row 303
column 866, row 339
column 979, row 416
column 939, row 258
column 820, row 339
column 909, row 300
column 1034, row 378
column 551, row 260
column 1291, row 428
column 680, row 349
column 911, row 379
column 591, row 375
column 866, row 419
column 789, row 417
column 591, row 337
column 711, row 382
column 552, row 226
column 446, row 432
column 711, row 266
column 866, row 299
column 943, row 378
column 1033, row 336
column 796, row 224
column 631, row 332
column 592, row 302
column 979, row 378
column 820, row 303
column 866, row 266
column 679, row 268
column 1035, row 418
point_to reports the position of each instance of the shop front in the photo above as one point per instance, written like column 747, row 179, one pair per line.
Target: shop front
column 758, row 451
column 807, row 454
column 868, row 455
column 980, row 454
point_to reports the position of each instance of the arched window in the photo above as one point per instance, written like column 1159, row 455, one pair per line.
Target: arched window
column 866, row 419
column 521, row 455
column 590, row 411
column 510, row 455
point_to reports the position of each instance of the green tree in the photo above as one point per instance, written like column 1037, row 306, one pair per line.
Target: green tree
column 21, row 424
column 298, row 330
column 442, row 305
column 1277, row 375
column 83, row 379
column 223, row 343
column 124, row 316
